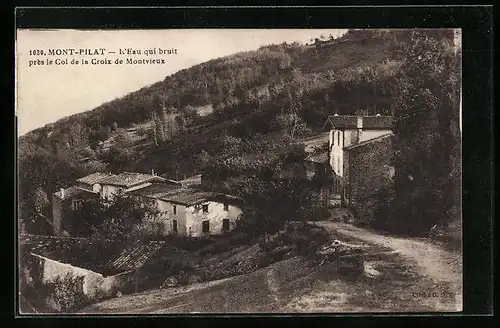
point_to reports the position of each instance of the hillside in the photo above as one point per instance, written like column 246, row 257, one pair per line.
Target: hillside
column 298, row 284
column 251, row 98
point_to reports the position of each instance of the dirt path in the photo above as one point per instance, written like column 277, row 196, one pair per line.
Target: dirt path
column 439, row 264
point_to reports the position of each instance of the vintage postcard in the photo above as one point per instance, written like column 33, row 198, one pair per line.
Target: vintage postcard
column 239, row 171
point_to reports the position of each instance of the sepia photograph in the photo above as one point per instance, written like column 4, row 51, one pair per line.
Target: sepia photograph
column 239, row 171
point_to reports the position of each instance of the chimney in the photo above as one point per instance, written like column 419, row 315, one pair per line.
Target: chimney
column 62, row 192
column 153, row 172
column 359, row 125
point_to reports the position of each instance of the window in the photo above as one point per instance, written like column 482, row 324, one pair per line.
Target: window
column 175, row 210
column 76, row 204
column 174, row 226
column 205, row 208
column 225, row 225
column 205, row 226
column 226, row 207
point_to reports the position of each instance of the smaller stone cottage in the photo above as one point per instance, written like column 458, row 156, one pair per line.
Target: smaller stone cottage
column 193, row 212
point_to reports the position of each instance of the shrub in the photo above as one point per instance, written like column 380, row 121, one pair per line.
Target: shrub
column 65, row 294
column 143, row 131
column 305, row 238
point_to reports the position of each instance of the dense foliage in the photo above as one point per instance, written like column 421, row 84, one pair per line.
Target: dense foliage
column 121, row 218
column 427, row 147
column 284, row 90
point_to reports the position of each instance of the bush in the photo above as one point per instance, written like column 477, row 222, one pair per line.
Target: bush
column 144, row 131
column 65, row 294
column 383, row 213
column 315, row 214
column 305, row 238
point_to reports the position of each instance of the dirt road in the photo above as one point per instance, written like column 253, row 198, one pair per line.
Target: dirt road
column 422, row 278
column 442, row 266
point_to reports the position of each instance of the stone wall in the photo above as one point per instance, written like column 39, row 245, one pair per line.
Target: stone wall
column 368, row 169
column 42, row 271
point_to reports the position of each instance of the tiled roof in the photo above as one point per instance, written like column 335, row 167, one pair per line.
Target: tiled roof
column 194, row 180
column 70, row 192
column 75, row 251
column 369, row 122
column 377, row 122
column 94, row 178
column 343, row 121
column 156, row 190
column 369, row 141
column 134, row 256
column 188, row 196
column 318, row 158
column 129, row 179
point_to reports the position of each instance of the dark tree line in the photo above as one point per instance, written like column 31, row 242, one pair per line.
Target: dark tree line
column 427, row 155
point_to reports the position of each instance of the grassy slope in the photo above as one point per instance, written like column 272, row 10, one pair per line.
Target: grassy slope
column 292, row 285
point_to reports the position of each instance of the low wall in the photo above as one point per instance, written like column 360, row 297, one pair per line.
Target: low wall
column 94, row 286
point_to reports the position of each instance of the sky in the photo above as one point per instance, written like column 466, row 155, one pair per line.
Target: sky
column 46, row 93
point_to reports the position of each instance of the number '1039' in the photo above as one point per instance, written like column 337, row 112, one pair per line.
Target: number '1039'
column 36, row 52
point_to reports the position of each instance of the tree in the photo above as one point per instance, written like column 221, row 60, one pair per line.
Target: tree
column 269, row 204
column 292, row 124
column 119, row 218
column 190, row 114
column 426, row 115
column 120, row 155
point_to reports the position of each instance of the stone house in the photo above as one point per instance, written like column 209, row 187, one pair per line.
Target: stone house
column 94, row 186
column 64, row 203
column 192, row 212
column 346, row 130
column 185, row 210
column 367, row 169
column 360, row 150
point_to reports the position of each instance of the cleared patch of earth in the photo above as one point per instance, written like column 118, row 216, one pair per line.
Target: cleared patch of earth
column 440, row 269
column 421, row 277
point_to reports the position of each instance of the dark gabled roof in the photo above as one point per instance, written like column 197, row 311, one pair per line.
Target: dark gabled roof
column 378, row 122
column 130, row 179
column 93, row 178
column 363, row 143
column 134, row 256
column 187, row 196
column 70, row 192
column 368, row 122
column 343, row 121
column 156, row 190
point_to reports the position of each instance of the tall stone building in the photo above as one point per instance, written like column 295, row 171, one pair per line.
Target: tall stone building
column 360, row 151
